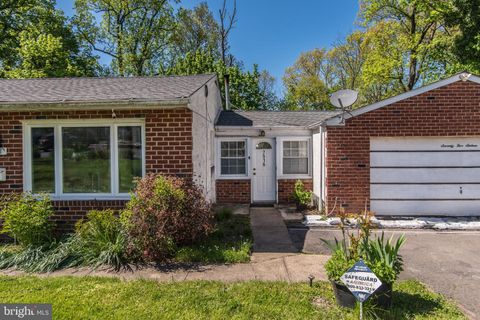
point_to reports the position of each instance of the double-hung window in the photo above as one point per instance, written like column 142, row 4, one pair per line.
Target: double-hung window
column 69, row 159
column 233, row 159
column 295, row 157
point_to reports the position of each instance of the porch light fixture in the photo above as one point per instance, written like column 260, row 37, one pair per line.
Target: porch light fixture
column 262, row 133
column 114, row 115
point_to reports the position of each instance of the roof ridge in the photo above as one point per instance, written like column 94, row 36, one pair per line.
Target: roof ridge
column 112, row 77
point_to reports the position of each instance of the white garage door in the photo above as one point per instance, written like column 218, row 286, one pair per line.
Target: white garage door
column 425, row 176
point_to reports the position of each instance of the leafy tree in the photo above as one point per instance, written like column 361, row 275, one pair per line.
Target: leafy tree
column 465, row 15
column 14, row 16
column 307, row 82
column 404, row 38
column 245, row 90
column 135, row 33
column 42, row 56
column 197, row 30
column 266, row 83
column 37, row 41
column 347, row 58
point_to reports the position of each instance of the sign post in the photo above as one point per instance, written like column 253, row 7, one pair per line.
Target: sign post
column 362, row 282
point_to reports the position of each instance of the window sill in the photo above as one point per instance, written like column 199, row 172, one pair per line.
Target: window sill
column 233, row 178
column 294, row 177
column 90, row 197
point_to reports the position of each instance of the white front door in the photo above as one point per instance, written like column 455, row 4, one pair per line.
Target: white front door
column 263, row 170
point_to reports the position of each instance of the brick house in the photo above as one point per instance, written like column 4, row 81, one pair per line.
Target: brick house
column 414, row 154
column 84, row 140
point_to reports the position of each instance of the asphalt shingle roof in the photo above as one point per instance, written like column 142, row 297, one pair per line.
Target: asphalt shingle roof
column 56, row 90
column 273, row 118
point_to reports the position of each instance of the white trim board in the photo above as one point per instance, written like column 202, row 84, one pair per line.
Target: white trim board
column 337, row 120
column 57, row 125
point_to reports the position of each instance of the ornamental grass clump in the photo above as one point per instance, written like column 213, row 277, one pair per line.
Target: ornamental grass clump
column 101, row 240
column 163, row 214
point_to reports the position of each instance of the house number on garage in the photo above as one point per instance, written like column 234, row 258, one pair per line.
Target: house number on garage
column 458, row 145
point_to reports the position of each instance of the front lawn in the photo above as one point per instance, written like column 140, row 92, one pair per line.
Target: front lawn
column 109, row 298
column 231, row 242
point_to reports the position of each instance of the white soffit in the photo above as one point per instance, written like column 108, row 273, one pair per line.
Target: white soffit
column 464, row 76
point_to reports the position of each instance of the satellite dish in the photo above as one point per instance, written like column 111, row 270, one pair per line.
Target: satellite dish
column 344, row 98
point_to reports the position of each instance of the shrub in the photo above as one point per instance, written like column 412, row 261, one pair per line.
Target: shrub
column 302, row 197
column 163, row 214
column 26, row 218
column 100, row 240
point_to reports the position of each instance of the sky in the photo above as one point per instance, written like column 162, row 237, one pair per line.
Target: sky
column 273, row 33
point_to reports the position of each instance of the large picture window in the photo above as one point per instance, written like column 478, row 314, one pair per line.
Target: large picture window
column 68, row 159
column 295, row 157
column 86, row 161
column 233, row 158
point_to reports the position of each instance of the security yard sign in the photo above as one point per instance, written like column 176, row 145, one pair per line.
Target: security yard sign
column 361, row 281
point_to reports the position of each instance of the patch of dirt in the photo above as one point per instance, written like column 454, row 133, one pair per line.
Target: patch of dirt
column 321, row 302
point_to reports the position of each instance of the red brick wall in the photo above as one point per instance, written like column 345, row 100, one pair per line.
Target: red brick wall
column 453, row 110
column 233, row 191
column 168, row 148
column 287, row 186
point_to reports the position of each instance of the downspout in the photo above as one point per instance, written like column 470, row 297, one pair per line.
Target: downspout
column 227, row 91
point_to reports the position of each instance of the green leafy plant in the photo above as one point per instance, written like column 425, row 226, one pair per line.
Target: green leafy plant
column 379, row 254
column 301, row 196
column 26, row 218
column 337, row 265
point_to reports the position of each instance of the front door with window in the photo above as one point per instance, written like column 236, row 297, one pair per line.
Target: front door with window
column 263, row 171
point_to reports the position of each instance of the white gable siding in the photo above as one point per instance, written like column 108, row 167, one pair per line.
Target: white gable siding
column 205, row 111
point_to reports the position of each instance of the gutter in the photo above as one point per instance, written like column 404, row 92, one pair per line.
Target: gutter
column 220, row 128
column 92, row 105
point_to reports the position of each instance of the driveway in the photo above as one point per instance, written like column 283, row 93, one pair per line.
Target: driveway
column 447, row 262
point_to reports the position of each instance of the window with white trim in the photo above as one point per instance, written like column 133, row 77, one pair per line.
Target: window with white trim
column 71, row 159
column 295, row 157
column 233, row 159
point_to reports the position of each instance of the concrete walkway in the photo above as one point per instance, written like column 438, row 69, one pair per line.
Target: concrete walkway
column 270, row 235
column 274, row 258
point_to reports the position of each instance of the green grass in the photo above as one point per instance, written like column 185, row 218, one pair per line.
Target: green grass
column 230, row 243
column 111, row 298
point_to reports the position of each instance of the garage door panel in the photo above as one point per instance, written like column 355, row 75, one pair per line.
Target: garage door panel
column 425, row 191
column 424, row 175
column 425, row 143
column 426, row 208
column 425, row 159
